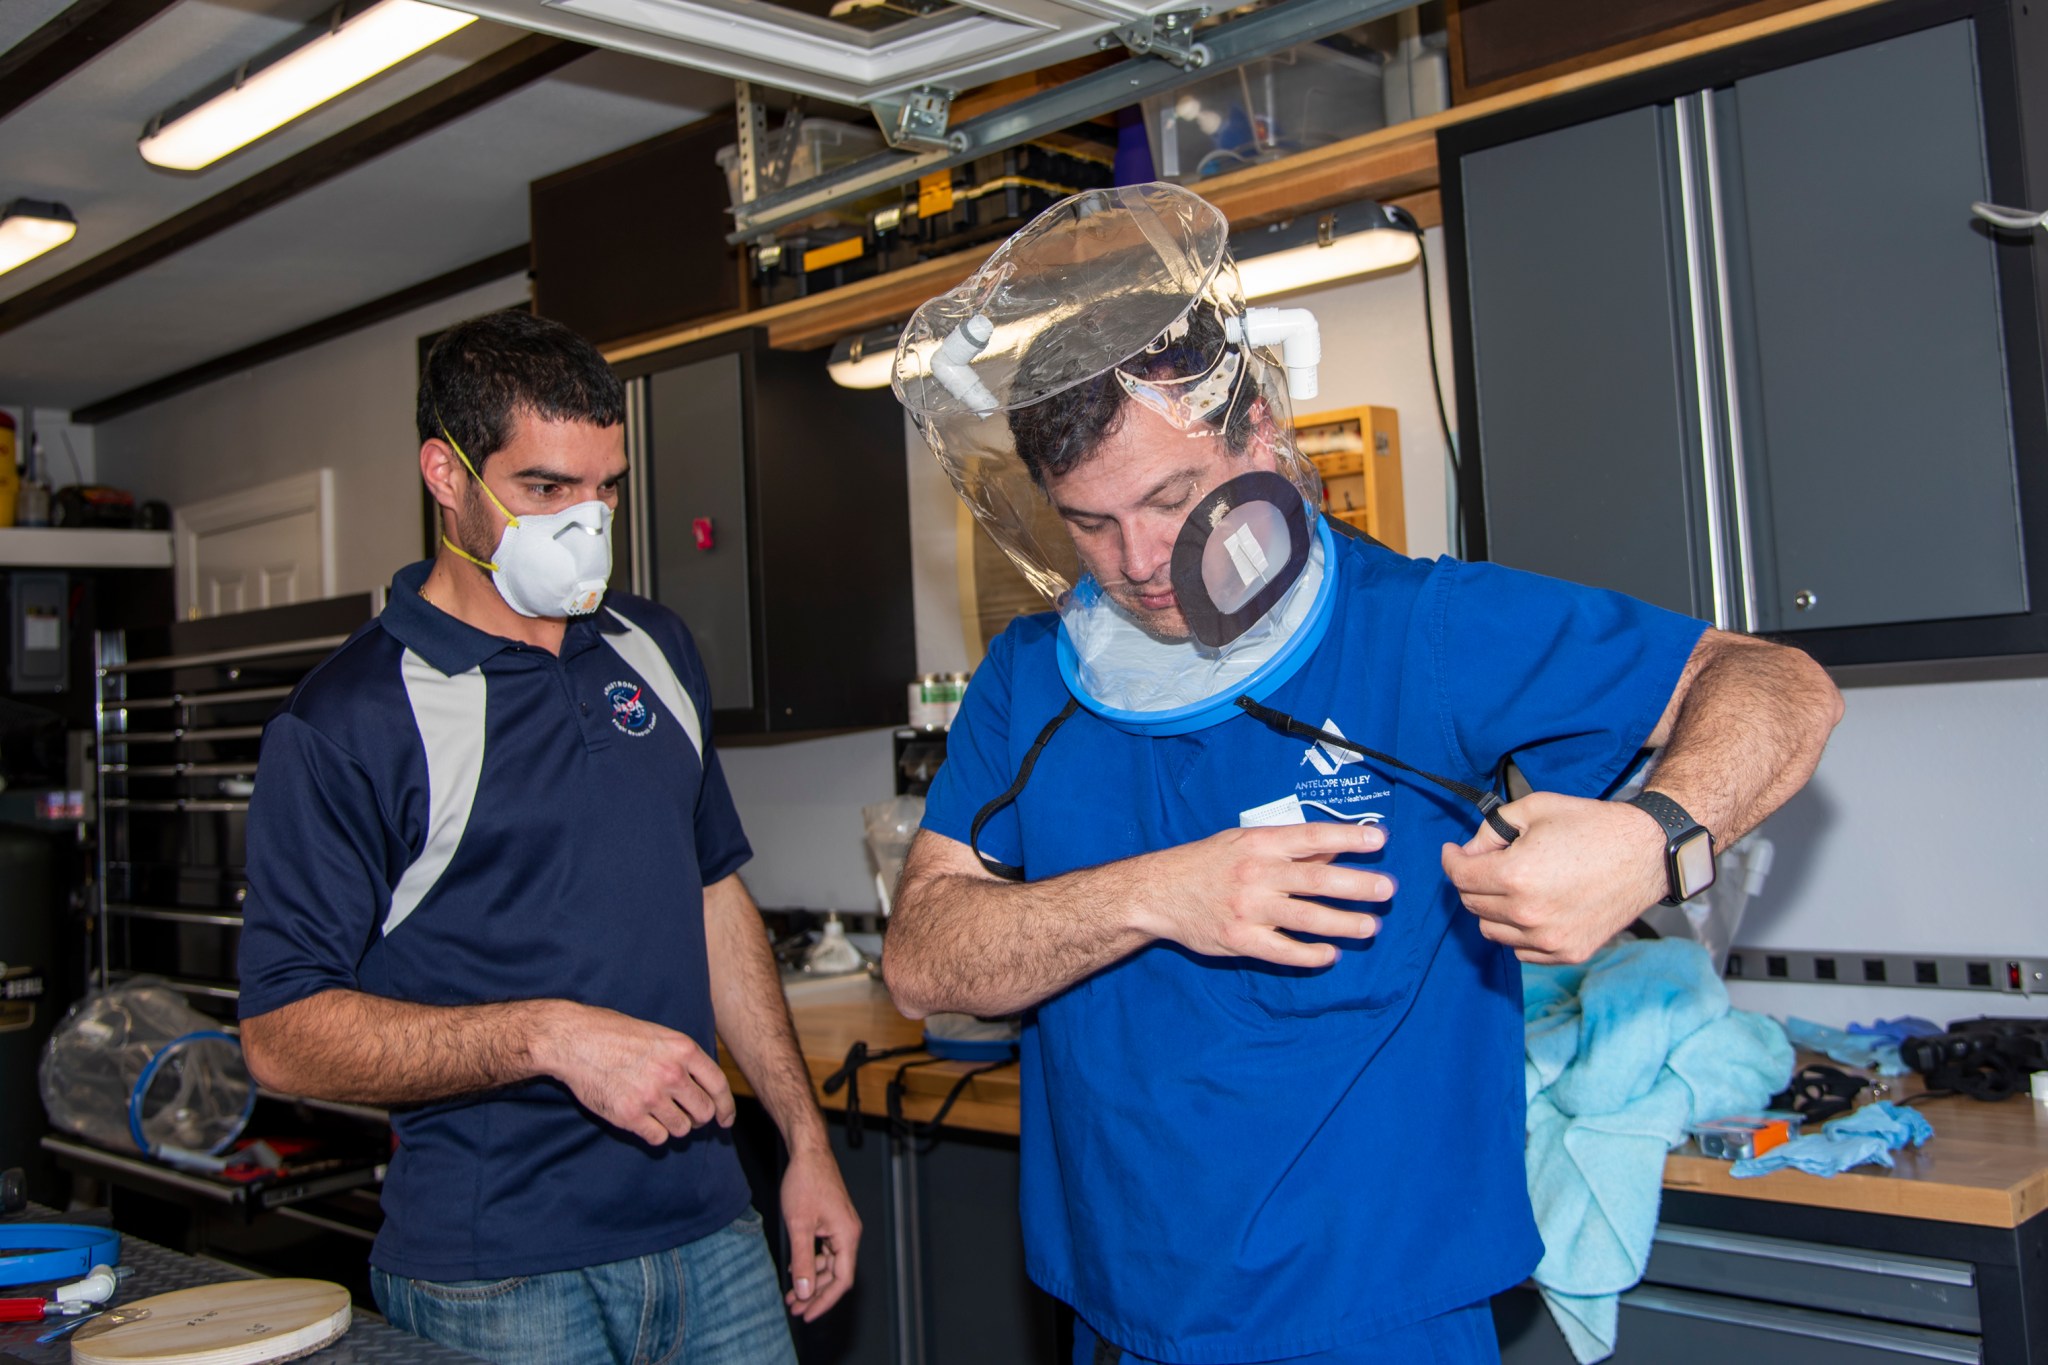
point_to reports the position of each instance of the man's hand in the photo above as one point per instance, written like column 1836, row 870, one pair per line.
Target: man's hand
column 1232, row 894
column 651, row 1081
column 1581, row 872
column 824, row 1233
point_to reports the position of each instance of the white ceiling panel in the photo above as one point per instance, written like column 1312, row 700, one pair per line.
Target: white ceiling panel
column 440, row 202
column 19, row 18
column 75, row 143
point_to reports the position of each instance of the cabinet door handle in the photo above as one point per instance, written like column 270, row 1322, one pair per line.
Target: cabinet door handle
column 2019, row 220
column 1806, row 599
column 1742, row 550
column 1692, row 190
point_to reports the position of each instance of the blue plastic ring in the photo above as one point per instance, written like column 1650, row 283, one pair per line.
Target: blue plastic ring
column 149, row 1074
column 48, row 1252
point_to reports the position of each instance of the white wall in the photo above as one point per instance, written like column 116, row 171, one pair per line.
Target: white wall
column 1914, row 836
column 1375, row 350
column 346, row 405
column 67, row 447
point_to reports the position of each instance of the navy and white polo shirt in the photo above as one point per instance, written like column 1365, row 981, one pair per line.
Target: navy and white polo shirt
column 450, row 817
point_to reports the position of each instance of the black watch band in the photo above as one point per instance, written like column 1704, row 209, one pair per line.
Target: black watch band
column 1681, row 832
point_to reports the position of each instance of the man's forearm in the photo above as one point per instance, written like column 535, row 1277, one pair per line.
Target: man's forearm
column 345, row 1045
column 1748, row 734
column 979, row 946
column 753, row 1015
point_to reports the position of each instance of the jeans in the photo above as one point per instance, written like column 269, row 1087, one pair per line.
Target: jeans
column 715, row 1301
column 1461, row 1337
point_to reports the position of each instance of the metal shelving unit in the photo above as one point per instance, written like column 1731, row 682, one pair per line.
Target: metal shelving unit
column 176, row 736
column 178, row 718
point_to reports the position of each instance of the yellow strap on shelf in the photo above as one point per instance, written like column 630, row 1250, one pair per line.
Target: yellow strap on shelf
column 935, row 194
column 817, row 258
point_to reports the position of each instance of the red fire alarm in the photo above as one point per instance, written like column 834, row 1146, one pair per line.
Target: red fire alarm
column 700, row 527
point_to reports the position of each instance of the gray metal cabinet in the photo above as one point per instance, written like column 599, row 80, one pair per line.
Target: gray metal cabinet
column 1752, row 1280
column 941, row 1271
column 770, row 508
column 1876, row 402
column 1587, row 413
column 1734, row 343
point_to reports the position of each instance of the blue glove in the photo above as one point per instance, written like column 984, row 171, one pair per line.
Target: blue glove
column 1900, row 1029
column 1895, row 1124
column 1881, row 1054
column 1816, row 1154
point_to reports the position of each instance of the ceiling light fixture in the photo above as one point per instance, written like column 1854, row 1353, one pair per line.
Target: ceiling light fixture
column 352, row 45
column 1336, row 244
column 29, row 227
column 866, row 361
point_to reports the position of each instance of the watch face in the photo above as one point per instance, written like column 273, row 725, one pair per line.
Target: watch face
column 1694, row 859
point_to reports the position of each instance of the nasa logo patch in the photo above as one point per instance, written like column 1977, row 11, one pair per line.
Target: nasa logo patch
column 630, row 713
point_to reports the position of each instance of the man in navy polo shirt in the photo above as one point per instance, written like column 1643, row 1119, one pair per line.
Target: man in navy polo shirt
column 493, row 884
column 1210, row 826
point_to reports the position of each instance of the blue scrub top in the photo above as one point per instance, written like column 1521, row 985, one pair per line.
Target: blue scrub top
column 449, row 817
column 1225, row 1160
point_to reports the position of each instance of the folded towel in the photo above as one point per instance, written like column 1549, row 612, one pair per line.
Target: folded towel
column 1623, row 1052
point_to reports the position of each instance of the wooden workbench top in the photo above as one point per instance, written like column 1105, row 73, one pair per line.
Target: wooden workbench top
column 834, row 1013
column 1987, row 1164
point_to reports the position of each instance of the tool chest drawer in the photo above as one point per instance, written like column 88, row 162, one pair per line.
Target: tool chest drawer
column 1662, row 1326
column 1917, row 1290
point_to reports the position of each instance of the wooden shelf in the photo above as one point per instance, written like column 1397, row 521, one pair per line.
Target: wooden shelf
column 77, row 547
column 1396, row 164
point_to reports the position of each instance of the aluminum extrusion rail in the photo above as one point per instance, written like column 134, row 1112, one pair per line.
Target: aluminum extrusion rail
column 1083, row 98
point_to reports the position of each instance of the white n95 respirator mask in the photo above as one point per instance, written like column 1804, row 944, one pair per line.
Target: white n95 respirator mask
column 555, row 564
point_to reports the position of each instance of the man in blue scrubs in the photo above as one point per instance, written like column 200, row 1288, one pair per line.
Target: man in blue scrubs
column 493, row 884
column 1214, row 826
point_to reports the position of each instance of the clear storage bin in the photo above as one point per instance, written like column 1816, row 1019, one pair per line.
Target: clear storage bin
column 1307, row 96
column 821, row 144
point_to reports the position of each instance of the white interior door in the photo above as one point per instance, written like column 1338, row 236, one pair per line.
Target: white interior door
column 267, row 546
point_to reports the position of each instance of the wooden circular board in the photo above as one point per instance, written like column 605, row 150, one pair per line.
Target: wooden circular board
column 243, row 1322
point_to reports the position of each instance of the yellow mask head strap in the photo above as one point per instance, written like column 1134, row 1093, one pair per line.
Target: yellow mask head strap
column 504, row 511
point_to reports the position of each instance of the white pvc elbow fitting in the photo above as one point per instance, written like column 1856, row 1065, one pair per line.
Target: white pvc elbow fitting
column 952, row 364
column 1291, row 331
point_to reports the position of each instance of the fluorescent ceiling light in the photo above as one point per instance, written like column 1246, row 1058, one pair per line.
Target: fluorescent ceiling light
column 1338, row 244
column 29, row 227
column 865, row 361
column 348, row 50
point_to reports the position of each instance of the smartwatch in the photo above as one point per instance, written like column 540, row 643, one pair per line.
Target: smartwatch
column 1688, row 847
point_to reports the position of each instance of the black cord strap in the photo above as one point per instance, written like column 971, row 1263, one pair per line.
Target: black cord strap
column 988, row 812
column 848, row 1075
column 909, row 1128
column 1487, row 802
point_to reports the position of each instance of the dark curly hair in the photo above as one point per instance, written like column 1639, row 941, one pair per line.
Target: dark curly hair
column 1057, row 433
column 484, row 372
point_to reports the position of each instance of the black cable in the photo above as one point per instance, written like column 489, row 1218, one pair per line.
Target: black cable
column 1488, row 803
column 1405, row 220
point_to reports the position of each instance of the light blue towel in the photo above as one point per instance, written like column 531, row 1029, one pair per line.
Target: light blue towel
column 1623, row 1053
column 1870, row 1134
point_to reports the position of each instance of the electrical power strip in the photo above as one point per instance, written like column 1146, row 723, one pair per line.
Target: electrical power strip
column 1941, row 971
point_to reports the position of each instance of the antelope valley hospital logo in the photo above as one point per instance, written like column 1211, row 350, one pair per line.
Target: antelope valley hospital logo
column 1342, row 789
column 631, row 715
